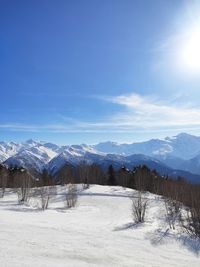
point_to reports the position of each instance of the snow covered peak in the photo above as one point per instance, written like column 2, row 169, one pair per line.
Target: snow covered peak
column 51, row 146
column 185, row 135
column 182, row 136
column 31, row 143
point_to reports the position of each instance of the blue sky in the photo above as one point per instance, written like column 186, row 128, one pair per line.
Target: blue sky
column 95, row 70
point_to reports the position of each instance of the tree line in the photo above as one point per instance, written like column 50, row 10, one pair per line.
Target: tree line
column 176, row 192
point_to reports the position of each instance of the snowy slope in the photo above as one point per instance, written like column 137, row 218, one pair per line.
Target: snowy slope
column 11, row 149
column 192, row 165
column 74, row 155
column 36, row 155
column 98, row 232
column 8, row 149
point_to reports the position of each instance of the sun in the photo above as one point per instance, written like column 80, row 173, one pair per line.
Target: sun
column 189, row 52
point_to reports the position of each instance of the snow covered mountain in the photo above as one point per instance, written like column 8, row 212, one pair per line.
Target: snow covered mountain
column 73, row 155
column 178, row 152
column 35, row 157
column 179, row 155
column 117, row 162
column 183, row 146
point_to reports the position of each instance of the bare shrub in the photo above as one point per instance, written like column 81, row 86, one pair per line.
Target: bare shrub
column 43, row 193
column 139, row 206
column 45, row 190
column 173, row 212
column 71, row 196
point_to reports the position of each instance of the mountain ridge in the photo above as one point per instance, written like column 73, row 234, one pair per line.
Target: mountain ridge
column 177, row 154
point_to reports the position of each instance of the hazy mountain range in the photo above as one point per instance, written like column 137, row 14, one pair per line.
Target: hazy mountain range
column 175, row 156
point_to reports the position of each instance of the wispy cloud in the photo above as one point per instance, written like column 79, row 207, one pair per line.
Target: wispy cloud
column 138, row 113
column 147, row 112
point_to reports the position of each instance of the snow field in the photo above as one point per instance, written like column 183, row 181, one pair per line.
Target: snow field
column 98, row 232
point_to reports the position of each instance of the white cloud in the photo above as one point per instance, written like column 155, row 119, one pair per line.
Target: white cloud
column 139, row 113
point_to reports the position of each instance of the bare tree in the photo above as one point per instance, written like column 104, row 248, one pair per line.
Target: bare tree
column 24, row 179
column 84, row 174
column 3, row 180
column 123, row 177
column 96, row 175
column 139, row 206
column 71, row 196
column 143, row 178
column 111, row 175
column 66, row 175
column 192, row 222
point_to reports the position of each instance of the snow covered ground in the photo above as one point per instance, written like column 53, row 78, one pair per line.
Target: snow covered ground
column 98, row 232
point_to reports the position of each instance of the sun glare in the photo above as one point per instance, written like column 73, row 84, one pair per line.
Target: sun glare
column 189, row 52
